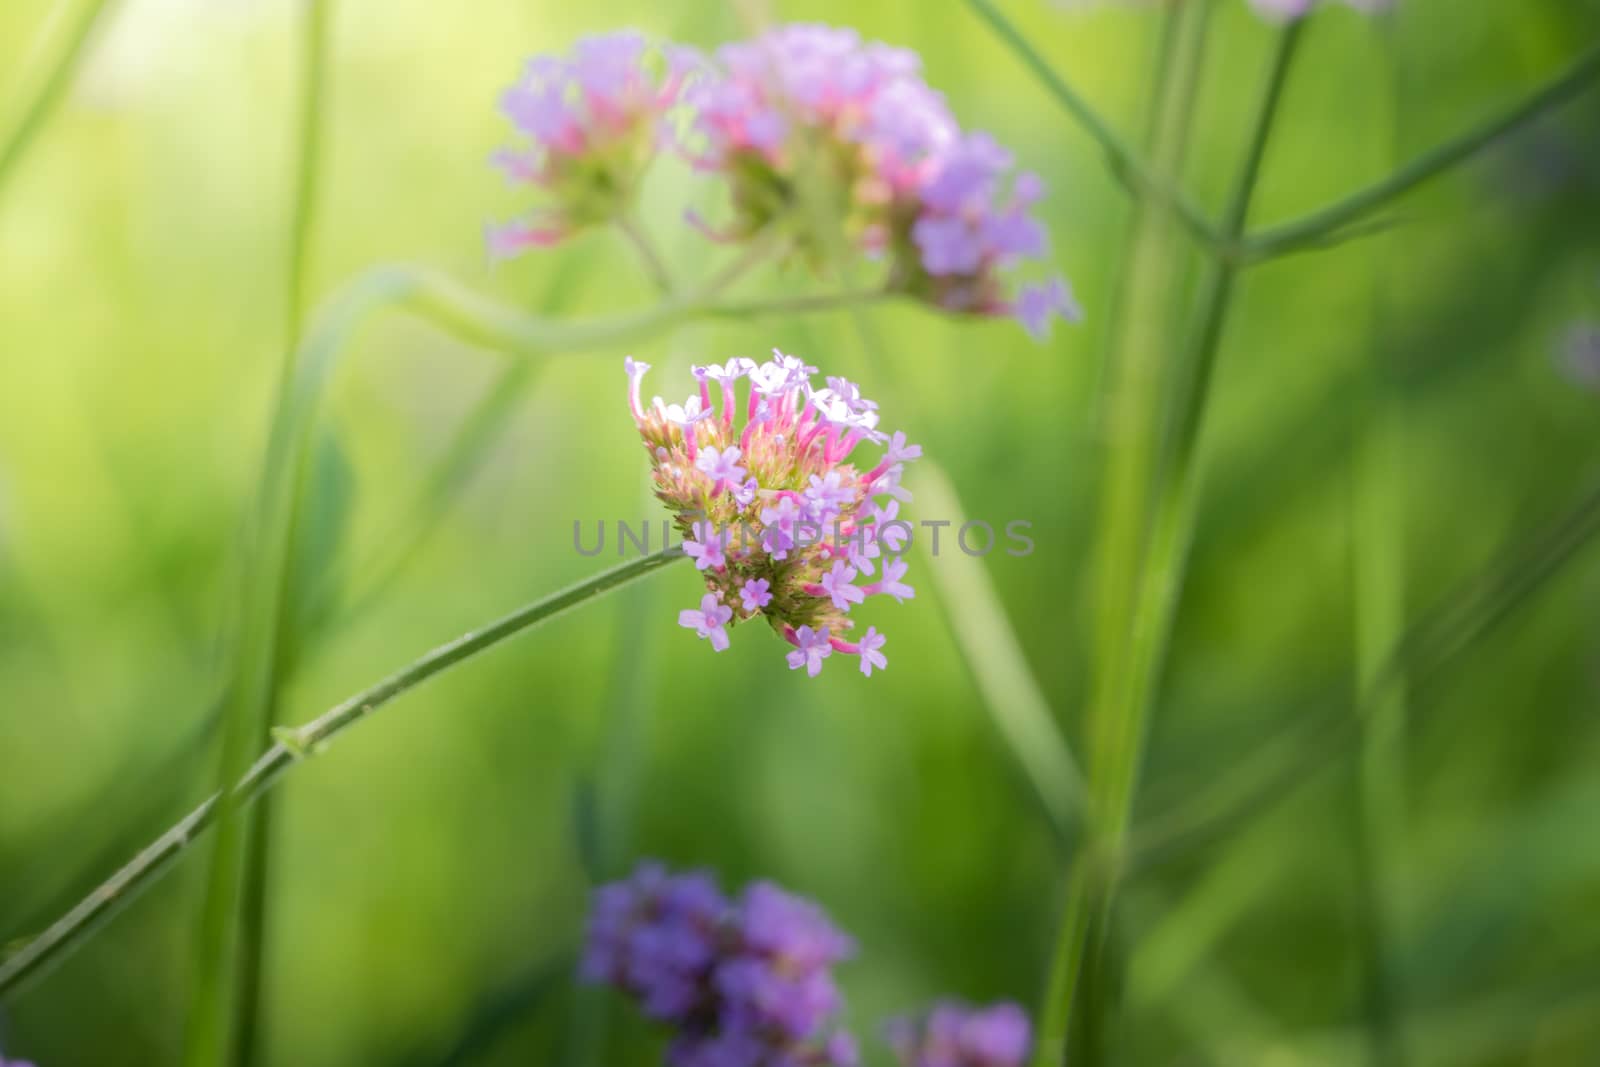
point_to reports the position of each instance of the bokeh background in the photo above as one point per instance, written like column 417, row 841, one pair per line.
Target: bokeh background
column 433, row 865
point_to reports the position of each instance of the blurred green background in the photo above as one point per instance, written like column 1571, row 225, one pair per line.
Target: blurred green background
column 432, row 867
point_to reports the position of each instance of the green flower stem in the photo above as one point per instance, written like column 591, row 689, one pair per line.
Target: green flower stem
column 1378, row 566
column 1244, row 255
column 988, row 643
column 795, row 305
column 1129, row 689
column 1313, row 230
column 1127, row 166
column 1126, row 683
column 316, row 53
column 289, row 748
column 649, row 256
column 212, row 990
column 1140, row 320
column 42, row 99
column 1137, row 359
column 1149, row 277
column 1318, row 226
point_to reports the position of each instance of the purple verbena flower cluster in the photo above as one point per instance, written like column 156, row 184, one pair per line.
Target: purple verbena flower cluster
column 13, row 1063
column 745, row 983
column 749, row 982
column 593, row 120
column 777, row 520
column 1288, row 10
column 955, row 1035
column 826, row 143
column 812, row 110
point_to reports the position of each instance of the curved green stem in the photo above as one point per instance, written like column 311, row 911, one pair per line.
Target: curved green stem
column 1318, row 225
column 1014, row 699
column 1129, row 692
column 1126, row 683
column 794, row 305
column 1127, row 166
column 1136, row 352
column 289, row 748
column 316, row 53
column 1142, row 308
column 57, row 76
column 1378, row 595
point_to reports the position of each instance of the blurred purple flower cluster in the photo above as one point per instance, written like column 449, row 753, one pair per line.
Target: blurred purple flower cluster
column 745, row 983
column 829, row 146
column 811, row 112
column 778, row 521
column 955, row 1035
column 593, row 122
column 749, row 982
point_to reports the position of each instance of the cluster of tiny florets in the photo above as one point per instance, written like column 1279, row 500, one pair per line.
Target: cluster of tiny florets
column 779, row 522
column 813, row 111
column 593, row 120
column 742, row 983
column 748, row 982
column 825, row 143
column 955, row 1035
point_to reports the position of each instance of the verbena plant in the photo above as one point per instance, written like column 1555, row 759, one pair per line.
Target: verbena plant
column 838, row 159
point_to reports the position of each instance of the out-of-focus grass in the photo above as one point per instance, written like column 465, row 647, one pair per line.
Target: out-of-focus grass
column 430, row 865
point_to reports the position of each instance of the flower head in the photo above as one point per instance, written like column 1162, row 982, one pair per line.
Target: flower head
column 657, row 937
column 954, row 1035
column 810, row 116
column 780, row 523
column 971, row 224
column 592, row 122
column 743, row 984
